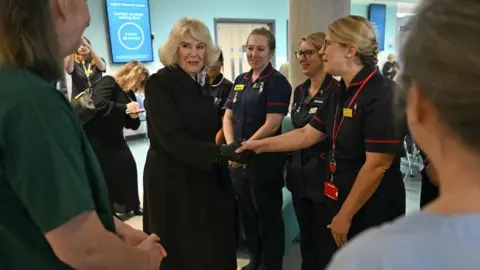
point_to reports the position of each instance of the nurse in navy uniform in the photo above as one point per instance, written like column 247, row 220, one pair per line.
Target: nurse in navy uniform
column 306, row 170
column 221, row 87
column 364, row 188
column 255, row 110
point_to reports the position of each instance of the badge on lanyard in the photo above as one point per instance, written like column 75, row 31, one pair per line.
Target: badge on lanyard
column 347, row 112
column 88, row 71
column 330, row 190
column 239, row 87
column 313, row 110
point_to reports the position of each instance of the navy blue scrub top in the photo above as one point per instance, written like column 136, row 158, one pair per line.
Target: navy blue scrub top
column 250, row 100
column 307, row 168
column 369, row 125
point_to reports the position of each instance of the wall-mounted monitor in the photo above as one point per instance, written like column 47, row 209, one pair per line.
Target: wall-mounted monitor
column 129, row 30
column 377, row 14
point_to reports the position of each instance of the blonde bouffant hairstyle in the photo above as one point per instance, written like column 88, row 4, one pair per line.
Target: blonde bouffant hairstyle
column 185, row 27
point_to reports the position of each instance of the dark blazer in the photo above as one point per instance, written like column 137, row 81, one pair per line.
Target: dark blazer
column 105, row 133
column 186, row 202
column 111, row 102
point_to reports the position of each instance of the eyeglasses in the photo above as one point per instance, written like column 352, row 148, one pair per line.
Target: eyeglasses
column 306, row 53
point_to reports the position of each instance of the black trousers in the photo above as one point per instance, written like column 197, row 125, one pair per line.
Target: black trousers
column 311, row 216
column 260, row 204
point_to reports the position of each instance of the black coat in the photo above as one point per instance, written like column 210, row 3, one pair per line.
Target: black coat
column 105, row 133
column 186, row 202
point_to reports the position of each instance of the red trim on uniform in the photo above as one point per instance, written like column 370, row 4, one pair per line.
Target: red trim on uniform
column 384, row 141
column 329, row 86
column 356, row 84
column 277, row 104
column 318, row 120
column 268, row 74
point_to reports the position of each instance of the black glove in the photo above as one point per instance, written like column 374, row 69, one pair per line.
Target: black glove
column 227, row 151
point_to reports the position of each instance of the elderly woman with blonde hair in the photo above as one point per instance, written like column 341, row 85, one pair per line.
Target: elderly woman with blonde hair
column 186, row 203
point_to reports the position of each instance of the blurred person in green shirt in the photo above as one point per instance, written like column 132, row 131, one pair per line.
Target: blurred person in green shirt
column 54, row 207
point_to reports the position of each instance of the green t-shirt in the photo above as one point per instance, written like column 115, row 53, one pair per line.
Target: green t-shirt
column 48, row 172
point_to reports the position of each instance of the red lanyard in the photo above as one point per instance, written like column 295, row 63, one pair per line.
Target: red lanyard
column 337, row 130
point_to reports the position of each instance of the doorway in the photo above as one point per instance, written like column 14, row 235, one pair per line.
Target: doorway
column 231, row 35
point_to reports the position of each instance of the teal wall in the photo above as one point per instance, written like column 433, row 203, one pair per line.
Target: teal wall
column 390, row 25
column 165, row 13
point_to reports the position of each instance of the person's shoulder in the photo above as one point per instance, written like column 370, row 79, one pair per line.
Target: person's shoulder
column 377, row 248
column 380, row 87
column 227, row 82
column 240, row 78
column 160, row 80
column 279, row 76
column 23, row 85
column 26, row 93
column 107, row 81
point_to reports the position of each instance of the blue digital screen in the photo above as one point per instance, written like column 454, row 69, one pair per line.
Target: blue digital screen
column 130, row 31
column 377, row 14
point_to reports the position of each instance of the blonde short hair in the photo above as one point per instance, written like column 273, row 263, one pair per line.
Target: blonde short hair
column 184, row 27
column 358, row 31
column 35, row 46
column 132, row 76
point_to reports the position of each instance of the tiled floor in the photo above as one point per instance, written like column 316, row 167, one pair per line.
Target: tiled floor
column 292, row 259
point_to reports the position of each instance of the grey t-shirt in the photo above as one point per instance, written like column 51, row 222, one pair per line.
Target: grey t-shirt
column 420, row 241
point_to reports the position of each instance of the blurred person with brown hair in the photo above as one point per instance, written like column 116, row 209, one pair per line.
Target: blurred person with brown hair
column 85, row 67
column 443, row 97
column 117, row 108
column 55, row 212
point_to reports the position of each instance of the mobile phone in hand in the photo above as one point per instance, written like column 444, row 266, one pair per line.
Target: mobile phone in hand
column 136, row 111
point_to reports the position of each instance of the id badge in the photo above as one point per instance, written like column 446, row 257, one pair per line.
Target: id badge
column 330, row 190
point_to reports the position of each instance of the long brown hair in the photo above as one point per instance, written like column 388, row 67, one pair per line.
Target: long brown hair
column 28, row 39
column 79, row 58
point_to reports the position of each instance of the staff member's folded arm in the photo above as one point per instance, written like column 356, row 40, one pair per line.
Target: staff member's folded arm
column 50, row 178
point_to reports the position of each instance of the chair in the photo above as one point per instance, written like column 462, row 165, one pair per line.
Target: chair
column 412, row 154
